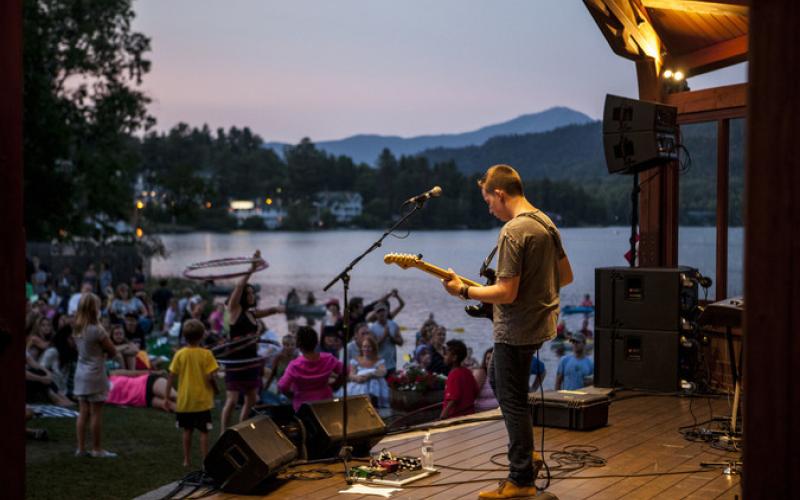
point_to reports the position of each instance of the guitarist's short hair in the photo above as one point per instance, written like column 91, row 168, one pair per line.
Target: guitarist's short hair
column 502, row 177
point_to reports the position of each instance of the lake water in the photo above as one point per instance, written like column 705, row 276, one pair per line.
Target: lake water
column 308, row 261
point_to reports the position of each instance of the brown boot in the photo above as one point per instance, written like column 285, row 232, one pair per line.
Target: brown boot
column 507, row 489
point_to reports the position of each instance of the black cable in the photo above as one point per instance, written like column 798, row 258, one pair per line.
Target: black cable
column 195, row 479
column 544, row 461
column 686, row 165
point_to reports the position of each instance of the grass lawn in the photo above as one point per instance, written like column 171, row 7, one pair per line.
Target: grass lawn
column 146, row 439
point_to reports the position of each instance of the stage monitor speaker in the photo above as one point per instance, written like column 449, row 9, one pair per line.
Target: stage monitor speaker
column 645, row 298
column 247, row 454
column 637, row 359
column 638, row 135
column 323, row 425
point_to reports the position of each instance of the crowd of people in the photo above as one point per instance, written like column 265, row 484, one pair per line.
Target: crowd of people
column 90, row 342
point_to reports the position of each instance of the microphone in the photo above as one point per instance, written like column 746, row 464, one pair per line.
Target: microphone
column 435, row 192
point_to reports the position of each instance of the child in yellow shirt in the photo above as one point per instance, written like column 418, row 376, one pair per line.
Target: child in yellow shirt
column 194, row 368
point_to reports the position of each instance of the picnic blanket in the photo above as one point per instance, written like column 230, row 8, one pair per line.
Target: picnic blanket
column 53, row 411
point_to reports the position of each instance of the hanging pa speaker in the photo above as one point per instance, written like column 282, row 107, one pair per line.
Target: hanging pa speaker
column 247, row 454
column 323, row 421
column 638, row 135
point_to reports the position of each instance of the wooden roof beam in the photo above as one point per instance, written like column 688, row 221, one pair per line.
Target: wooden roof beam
column 717, row 99
column 627, row 28
column 707, row 59
column 717, row 7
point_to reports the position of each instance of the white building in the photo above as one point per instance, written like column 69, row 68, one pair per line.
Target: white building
column 244, row 209
column 344, row 205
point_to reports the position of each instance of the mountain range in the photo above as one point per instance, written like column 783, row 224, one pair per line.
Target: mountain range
column 575, row 152
column 365, row 148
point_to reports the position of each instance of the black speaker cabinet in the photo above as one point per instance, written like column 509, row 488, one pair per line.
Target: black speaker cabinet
column 623, row 114
column 247, row 454
column 658, row 298
column 631, row 152
column 637, row 359
column 638, row 134
column 323, row 425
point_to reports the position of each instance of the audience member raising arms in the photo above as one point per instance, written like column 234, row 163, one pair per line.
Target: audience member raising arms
column 307, row 378
column 244, row 323
column 91, row 382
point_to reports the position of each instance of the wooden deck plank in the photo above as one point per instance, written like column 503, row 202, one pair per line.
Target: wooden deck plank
column 723, row 486
column 446, row 445
column 641, row 437
column 585, row 438
column 695, row 482
column 628, row 459
column 475, row 436
column 666, row 452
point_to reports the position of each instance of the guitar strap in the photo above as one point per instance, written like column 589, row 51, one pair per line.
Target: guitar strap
column 487, row 261
column 550, row 229
column 553, row 233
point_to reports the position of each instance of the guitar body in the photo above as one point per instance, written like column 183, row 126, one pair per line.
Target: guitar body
column 484, row 310
column 405, row 261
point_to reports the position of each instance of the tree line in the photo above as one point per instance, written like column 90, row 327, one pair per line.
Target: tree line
column 196, row 173
column 88, row 138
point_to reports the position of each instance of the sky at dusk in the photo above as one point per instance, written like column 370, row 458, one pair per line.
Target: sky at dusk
column 329, row 69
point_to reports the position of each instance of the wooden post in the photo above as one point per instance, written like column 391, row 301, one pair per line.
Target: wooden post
column 12, row 254
column 658, row 201
column 772, row 254
column 723, row 169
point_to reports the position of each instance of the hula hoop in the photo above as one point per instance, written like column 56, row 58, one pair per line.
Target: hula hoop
column 261, row 264
column 257, row 359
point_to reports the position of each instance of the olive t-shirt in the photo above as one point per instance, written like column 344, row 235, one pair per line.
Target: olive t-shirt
column 526, row 249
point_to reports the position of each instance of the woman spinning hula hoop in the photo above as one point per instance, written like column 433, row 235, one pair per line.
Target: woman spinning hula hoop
column 244, row 323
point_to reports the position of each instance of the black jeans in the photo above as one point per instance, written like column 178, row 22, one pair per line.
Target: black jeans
column 508, row 376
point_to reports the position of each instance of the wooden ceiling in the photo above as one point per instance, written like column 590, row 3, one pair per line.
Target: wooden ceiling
column 694, row 36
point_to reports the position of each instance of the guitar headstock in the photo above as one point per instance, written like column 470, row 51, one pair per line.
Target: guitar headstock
column 404, row 260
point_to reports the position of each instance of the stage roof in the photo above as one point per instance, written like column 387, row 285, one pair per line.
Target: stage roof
column 693, row 36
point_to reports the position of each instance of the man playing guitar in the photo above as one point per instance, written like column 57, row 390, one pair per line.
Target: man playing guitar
column 532, row 266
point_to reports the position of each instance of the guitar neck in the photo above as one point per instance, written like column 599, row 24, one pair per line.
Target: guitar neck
column 442, row 273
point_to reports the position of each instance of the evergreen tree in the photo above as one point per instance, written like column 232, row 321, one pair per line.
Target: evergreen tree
column 82, row 64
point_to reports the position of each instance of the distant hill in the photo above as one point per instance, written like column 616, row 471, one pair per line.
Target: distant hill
column 571, row 152
column 366, row 148
column 575, row 152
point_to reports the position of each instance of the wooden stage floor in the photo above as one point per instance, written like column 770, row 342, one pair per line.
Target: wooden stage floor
column 642, row 437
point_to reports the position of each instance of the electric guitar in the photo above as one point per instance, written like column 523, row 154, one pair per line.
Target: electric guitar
column 406, row 260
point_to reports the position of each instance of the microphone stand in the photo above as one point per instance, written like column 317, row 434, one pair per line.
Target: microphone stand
column 346, row 451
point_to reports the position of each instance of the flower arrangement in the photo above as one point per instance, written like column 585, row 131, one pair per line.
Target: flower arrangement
column 416, row 379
